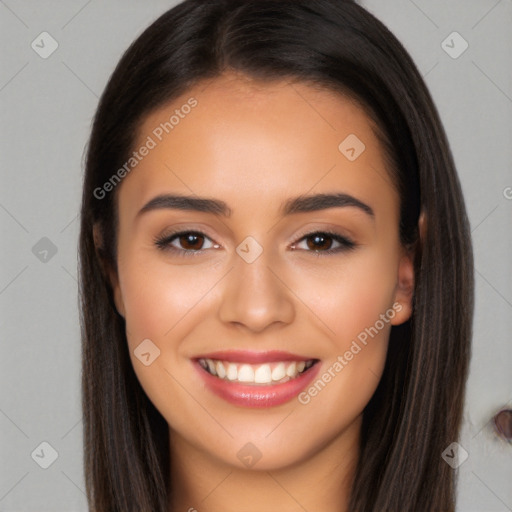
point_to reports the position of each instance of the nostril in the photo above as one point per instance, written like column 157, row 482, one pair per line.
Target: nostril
column 503, row 424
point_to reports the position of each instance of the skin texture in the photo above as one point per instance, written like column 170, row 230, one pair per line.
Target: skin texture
column 254, row 145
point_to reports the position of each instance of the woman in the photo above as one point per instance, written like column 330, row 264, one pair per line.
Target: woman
column 275, row 269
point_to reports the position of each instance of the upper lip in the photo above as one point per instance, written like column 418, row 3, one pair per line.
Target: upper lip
column 253, row 357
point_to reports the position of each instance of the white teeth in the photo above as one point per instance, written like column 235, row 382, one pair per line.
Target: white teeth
column 263, row 375
column 246, row 373
column 278, row 372
column 291, row 370
column 211, row 366
column 267, row 373
column 221, row 372
column 232, row 372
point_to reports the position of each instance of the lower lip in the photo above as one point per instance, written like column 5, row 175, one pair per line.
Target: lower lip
column 257, row 396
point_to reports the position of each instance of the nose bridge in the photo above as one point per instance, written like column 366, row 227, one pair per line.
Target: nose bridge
column 254, row 296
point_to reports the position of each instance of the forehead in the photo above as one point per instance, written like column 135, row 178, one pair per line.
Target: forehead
column 243, row 139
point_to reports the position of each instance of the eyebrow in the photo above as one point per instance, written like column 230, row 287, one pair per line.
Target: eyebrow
column 300, row 204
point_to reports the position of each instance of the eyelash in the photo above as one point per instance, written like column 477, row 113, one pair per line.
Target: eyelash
column 163, row 243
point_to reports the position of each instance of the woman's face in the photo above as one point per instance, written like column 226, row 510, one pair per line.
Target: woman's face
column 293, row 321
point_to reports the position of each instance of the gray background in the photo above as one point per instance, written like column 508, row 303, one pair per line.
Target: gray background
column 47, row 107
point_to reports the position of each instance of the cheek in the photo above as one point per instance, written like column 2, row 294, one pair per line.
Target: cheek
column 165, row 304
column 157, row 296
column 350, row 296
column 353, row 307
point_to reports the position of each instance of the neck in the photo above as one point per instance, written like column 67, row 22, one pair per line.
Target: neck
column 322, row 481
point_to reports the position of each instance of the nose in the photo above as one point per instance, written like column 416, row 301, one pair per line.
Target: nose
column 255, row 296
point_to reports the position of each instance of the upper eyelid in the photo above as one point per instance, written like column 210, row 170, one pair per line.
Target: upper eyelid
column 329, row 231
column 313, row 226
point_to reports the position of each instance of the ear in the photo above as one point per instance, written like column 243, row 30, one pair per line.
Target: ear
column 404, row 292
column 108, row 273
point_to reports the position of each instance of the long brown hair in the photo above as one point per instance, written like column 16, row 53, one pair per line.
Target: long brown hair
column 416, row 410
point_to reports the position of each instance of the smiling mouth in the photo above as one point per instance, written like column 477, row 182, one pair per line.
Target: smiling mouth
column 265, row 374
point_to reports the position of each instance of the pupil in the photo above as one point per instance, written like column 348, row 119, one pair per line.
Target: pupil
column 317, row 241
column 191, row 240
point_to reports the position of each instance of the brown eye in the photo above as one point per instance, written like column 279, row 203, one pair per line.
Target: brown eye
column 319, row 241
column 192, row 241
column 185, row 242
